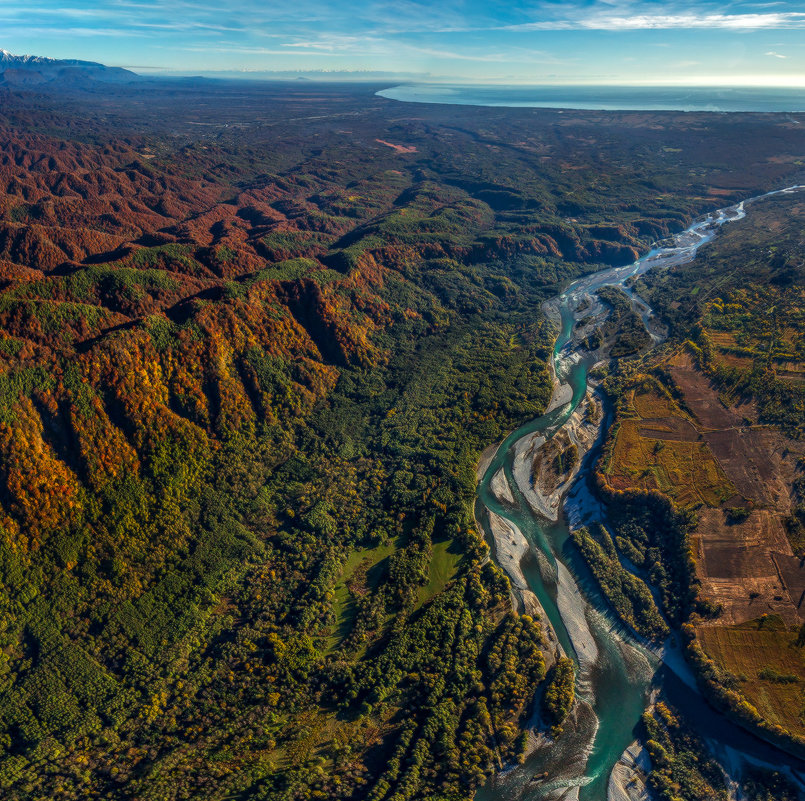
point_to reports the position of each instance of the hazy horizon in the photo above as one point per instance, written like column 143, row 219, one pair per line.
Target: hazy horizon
column 593, row 42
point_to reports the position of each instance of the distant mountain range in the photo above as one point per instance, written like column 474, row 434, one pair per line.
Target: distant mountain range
column 39, row 70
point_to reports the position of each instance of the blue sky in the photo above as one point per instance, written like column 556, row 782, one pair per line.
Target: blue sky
column 594, row 41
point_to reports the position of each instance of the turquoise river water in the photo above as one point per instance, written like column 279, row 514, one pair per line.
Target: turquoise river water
column 616, row 673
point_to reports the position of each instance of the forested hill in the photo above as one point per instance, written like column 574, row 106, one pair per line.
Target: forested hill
column 254, row 338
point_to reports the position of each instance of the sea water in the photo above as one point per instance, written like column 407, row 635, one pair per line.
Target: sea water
column 607, row 98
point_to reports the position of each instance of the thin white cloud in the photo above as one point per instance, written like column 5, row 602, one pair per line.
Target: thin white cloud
column 254, row 51
column 343, row 46
column 417, row 34
column 643, row 22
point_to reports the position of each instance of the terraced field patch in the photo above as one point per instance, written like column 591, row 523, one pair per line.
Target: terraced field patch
column 659, row 448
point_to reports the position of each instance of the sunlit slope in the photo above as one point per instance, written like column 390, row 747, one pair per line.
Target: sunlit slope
column 250, row 354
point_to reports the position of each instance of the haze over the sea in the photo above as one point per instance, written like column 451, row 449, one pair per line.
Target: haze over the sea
column 607, row 98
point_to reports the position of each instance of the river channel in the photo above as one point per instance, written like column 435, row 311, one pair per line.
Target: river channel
column 616, row 672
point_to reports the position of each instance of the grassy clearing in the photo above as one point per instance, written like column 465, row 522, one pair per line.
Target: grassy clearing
column 443, row 565
column 343, row 604
column 754, row 649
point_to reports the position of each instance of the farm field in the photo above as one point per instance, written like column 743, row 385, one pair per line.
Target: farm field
column 759, row 326
column 732, row 374
column 254, row 337
column 770, row 667
column 734, row 473
column 658, row 447
column 737, row 476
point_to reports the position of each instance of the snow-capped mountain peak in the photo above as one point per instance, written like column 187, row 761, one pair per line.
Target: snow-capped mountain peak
column 30, row 70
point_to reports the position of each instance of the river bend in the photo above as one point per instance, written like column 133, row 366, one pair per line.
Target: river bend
column 530, row 537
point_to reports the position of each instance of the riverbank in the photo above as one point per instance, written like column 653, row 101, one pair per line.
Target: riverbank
column 542, row 482
column 629, row 778
column 523, row 491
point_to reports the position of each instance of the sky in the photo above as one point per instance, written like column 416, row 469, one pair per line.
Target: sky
column 474, row 41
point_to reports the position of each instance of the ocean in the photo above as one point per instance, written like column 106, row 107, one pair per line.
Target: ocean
column 606, row 98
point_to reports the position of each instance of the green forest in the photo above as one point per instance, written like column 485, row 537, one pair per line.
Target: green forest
column 246, row 375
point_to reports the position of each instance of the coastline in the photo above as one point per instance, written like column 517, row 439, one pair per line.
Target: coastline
column 565, row 98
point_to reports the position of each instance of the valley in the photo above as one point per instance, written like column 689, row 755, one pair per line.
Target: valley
column 255, row 339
